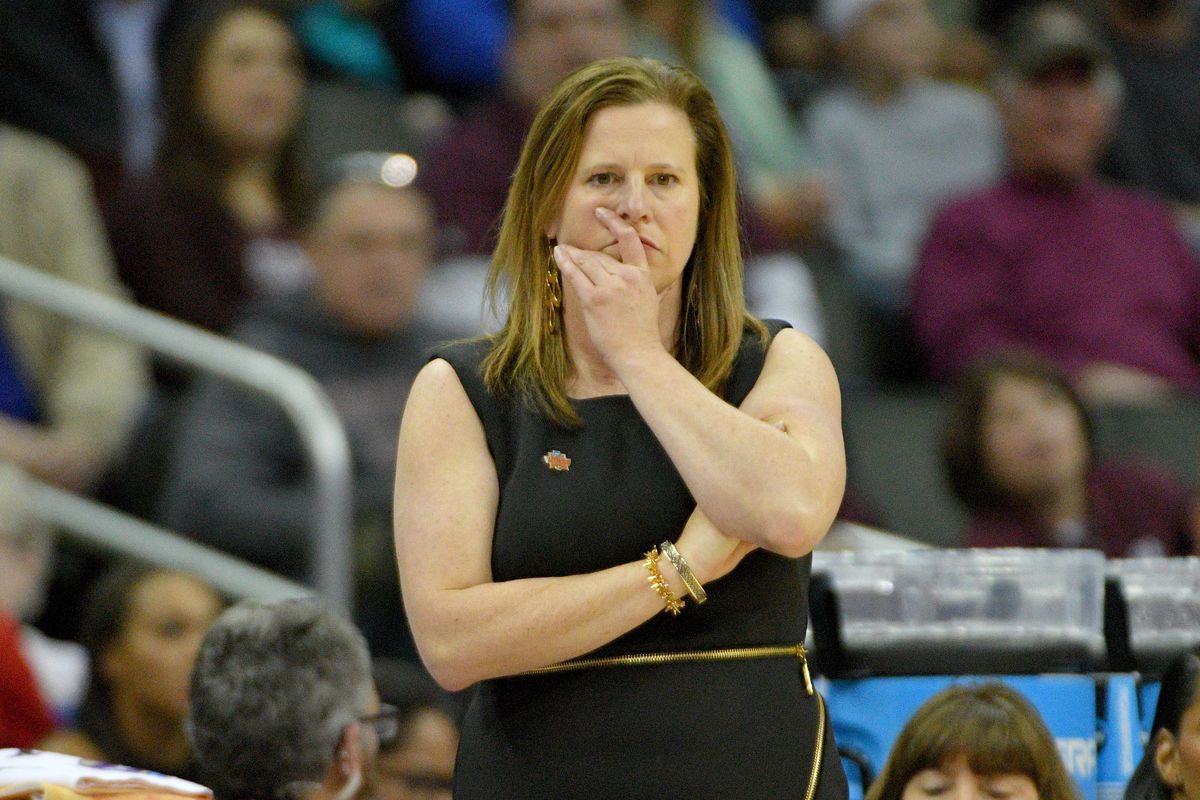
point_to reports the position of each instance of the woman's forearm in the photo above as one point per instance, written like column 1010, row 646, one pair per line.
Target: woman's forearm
column 496, row 629
column 776, row 488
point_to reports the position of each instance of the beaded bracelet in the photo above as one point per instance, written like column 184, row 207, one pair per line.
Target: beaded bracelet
column 685, row 572
column 673, row 604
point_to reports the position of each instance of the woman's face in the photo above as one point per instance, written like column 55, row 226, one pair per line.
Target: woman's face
column 1178, row 757
column 1032, row 437
column 898, row 38
column 639, row 162
column 250, row 83
column 150, row 660
column 957, row 781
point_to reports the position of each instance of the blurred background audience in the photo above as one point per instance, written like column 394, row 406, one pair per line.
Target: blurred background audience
column 457, row 48
column 142, row 629
column 1097, row 278
column 86, row 73
column 419, row 764
column 236, row 479
column 895, row 144
column 68, row 395
column 41, row 680
column 1019, row 453
column 1156, row 49
column 214, row 223
column 1170, row 766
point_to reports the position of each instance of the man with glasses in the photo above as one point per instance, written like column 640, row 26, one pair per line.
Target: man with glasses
column 283, row 705
column 236, row 479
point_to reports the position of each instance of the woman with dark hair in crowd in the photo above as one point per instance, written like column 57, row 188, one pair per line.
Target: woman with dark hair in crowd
column 142, row 629
column 974, row 741
column 1170, row 766
column 214, row 224
column 1019, row 453
column 217, row 222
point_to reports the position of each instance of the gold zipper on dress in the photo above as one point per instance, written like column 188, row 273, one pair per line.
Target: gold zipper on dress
column 819, row 748
column 653, row 659
column 726, row 654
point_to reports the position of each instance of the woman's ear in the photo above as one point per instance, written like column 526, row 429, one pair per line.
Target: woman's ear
column 1166, row 759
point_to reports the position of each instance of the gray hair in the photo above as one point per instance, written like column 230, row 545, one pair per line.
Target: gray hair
column 274, row 686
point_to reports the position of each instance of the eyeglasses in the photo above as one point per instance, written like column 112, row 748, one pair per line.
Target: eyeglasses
column 386, row 722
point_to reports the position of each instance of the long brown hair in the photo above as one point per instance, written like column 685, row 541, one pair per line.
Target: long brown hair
column 189, row 154
column 527, row 360
column 989, row 725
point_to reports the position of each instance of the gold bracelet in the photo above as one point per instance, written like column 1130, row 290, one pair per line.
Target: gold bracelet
column 685, row 572
column 673, row 604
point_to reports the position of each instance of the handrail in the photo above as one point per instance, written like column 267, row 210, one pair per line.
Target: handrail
column 297, row 392
column 128, row 535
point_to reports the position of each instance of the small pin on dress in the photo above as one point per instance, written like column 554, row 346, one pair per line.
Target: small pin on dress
column 557, row 461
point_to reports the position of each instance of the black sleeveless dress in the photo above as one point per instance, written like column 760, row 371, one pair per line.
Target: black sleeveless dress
column 740, row 729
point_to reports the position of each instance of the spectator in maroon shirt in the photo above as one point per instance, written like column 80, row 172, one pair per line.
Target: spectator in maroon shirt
column 1018, row 451
column 1050, row 259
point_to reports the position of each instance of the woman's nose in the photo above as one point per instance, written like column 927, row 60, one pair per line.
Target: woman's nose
column 967, row 791
column 632, row 204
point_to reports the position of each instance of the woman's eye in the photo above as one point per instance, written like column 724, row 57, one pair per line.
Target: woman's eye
column 602, row 179
column 664, row 179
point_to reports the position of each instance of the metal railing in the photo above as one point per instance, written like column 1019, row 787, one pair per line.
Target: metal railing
column 305, row 403
column 118, row 532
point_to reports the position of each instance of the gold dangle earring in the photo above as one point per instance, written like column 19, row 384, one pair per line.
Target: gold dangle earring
column 552, row 296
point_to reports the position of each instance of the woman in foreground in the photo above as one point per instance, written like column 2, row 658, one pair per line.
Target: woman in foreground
column 630, row 405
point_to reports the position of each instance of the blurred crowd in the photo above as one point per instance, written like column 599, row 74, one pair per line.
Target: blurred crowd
column 996, row 202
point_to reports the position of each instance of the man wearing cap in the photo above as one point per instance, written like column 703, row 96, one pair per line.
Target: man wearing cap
column 1051, row 259
column 237, row 478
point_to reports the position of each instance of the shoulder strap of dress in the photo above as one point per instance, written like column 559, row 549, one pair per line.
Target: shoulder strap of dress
column 495, row 413
column 748, row 364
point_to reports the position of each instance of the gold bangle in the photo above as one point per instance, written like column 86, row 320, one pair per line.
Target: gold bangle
column 685, row 572
column 673, row 604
